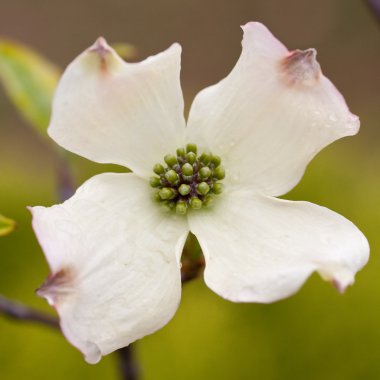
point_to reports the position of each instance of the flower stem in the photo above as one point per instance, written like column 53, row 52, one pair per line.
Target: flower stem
column 127, row 363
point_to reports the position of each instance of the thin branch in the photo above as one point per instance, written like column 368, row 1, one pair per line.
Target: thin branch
column 128, row 365
column 191, row 269
column 16, row 310
column 65, row 181
column 374, row 6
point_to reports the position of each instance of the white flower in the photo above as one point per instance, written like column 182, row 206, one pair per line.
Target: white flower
column 115, row 255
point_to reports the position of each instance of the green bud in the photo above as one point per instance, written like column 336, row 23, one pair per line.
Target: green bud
column 216, row 160
column 219, row 172
column 166, row 193
column 154, row 181
column 217, row 188
column 176, row 179
column 195, row 203
column 208, row 201
column 156, row 197
column 168, row 205
column 191, row 157
column 181, row 152
column 191, row 148
column 171, row 176
column 170, row 160
column 184, row 189
column 181, row 207
column 187, row 169
column 205, row 172
column 203, row 188
column 205, row 158
column 158, row 169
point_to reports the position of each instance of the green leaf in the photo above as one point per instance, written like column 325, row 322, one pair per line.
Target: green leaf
column 29, row 81
column 6, row 225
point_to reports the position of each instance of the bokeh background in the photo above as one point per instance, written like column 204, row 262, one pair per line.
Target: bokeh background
column 316, row 334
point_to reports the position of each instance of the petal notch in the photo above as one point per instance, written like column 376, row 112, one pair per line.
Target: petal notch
column 300, row 67
column 111, row 111
column 262, row 249
column 266, row 130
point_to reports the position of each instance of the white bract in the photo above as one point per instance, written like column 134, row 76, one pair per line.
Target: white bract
column 115, row 255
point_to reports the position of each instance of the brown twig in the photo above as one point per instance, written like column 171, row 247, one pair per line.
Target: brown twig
column 16, row 310
column 128, row 365
column 374, row 5
column 65, row 181
column 191, row 269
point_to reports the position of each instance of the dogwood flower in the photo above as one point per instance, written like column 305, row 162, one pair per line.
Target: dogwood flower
column 114, row 248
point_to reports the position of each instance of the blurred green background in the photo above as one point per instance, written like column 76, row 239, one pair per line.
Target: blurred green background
column 316, row 334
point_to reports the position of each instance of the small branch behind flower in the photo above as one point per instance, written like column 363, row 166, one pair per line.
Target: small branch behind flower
column 191, row 269
column 374, row 5
column 65, row 180
column 128, row 363
column 18, row 311
column 192, row 260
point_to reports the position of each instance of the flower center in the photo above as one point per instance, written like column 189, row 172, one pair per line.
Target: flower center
column 188, row 180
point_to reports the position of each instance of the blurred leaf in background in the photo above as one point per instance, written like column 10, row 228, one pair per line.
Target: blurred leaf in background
column 29, row 81
column 6, row 225
column 125, row 50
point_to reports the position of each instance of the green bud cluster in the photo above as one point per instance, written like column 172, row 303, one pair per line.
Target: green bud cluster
column 188, row 181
